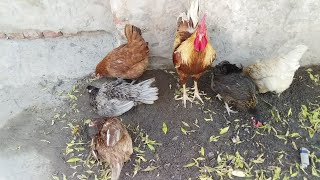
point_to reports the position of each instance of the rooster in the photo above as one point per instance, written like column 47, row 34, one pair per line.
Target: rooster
column 276, row 75
column 193, row 53
column 236, row 89
column 112, row 144
column 117, row 97
column 127, row 61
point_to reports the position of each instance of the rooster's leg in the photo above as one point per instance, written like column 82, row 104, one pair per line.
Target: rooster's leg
column 196, row 92
column 229, row 110
column 185, row 96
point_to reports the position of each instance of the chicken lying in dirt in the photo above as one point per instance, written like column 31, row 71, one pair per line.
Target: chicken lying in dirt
column 112, row 144
column 193, row 53
column 235, row 89
column 117, row 97
column 127, row 61
column 276, row 75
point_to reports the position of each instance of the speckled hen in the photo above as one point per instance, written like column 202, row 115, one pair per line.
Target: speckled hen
column 117, row 97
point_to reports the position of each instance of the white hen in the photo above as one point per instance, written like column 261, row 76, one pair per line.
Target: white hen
column 276, row 75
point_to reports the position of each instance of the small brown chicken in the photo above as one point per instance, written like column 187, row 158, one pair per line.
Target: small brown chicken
column 127, row 61
column 112, row 144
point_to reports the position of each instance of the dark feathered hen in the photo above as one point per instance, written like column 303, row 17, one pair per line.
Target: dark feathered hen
column 235, row 89
column 112, row 144
column 117, row 97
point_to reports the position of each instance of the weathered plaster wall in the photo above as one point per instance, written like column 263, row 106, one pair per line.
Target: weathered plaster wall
column 240, row 31
column 66, row 15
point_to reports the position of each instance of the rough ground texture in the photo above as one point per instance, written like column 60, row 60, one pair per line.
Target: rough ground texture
column 34, row 142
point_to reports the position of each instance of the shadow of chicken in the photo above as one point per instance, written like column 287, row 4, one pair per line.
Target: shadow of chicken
column 193, row 53
column 235, row 89
column 276, row 74
column 127, row 61
column 112, row 144
column 117, row 97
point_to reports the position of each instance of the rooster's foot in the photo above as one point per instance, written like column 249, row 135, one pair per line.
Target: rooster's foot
column 196, row 92
column 184, row 97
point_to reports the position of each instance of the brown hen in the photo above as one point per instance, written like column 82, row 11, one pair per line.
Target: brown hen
column 127, row 61
column 112, row 144
column 193, row 53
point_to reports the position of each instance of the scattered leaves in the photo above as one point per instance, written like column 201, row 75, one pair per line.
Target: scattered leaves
column 183, row 131
column 310, row 120
column 201, row 151
column 73, row 160
column 224, row 130
column 164, row 128
column 150, row 168
column 185, row 124
column 314, row 77
column 214, row 138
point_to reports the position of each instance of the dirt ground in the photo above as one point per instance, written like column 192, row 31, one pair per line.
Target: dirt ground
column 185, row 151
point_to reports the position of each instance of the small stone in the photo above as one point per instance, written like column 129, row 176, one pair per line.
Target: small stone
column 236, row 139
column 175, row 138
column 211, row 154
column 238, row 173
column 166, row 166
column 15, row 35
column 3, row 36
column 51, row 34
column 33, row 34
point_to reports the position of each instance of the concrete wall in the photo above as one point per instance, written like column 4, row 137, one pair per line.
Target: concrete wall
column 240, row 31
column 65, row 15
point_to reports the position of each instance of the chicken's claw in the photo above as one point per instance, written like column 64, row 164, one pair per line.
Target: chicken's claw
column 196, row 92
column 229, row 110
column 185, row 97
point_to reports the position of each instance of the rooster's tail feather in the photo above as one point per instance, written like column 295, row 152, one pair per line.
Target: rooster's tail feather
column 189, row 18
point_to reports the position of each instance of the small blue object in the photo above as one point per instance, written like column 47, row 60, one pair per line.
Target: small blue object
column 304, row 155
